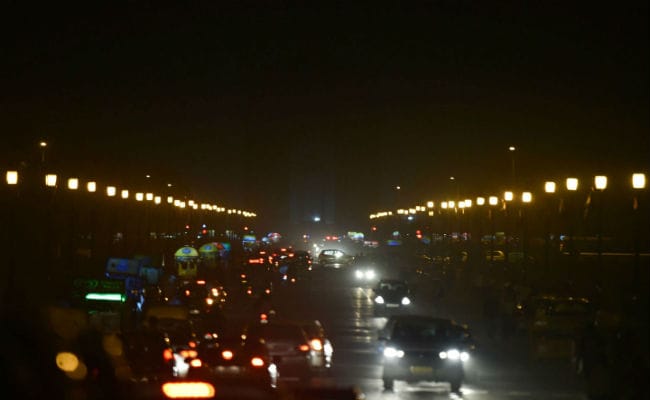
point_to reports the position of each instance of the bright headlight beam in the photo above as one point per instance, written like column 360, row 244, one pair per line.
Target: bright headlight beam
column 391, row 352
column 406, row 301
column 379, row 300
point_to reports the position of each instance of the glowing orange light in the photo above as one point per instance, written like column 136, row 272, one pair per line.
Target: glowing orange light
column 167, row 355
column 196, row 363
column 227, row 355
column 303, row 347
column 184, row 390
column 257, row 362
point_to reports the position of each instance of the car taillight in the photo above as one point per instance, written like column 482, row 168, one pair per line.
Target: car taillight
column 188, row 353
column 192, row 344
column 303, row 347
column 185, row 390
column 227, row 355
column 196, row 363
column 257, row 362
column 316, row 344
column 168, row 355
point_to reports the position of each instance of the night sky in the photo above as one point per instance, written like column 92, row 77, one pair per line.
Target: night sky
column 243, row 102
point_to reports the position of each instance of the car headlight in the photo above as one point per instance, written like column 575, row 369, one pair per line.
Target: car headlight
column 359, row 274
column 406, row 301
column 379, row 300
column 370, row 274
column 391, row 352
column 454, row 355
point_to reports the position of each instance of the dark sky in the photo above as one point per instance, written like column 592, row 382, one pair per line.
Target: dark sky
column 236, row 100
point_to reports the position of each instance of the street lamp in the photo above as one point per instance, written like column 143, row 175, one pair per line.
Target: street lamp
column 572, row 184
column 12, row 177
column 149, row 196
column 50, row 180
column 480, row 201
column 549, row 187
column 638, row 183
column 91, row 187
column 512, row 149
column 139, row 196
column 42, row 144
column 111, row 191
column 508, row 196
column 600, row 184
column 493, row 201
column 73, row 183
column 124, row 194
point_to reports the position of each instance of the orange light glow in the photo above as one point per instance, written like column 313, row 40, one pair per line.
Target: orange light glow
column 257, row 362
column 168, row 355
column 196, row 363
column 303, row 347
column 227, row 355
column 184, row 390
column 316, row 344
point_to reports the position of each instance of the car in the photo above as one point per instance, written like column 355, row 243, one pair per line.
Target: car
column 318, row 340
column 391, row 295
column 334, row 258
column 176, row 324
column 424, row 348
column 495, row 255
column 364, row 270
column 556, row 324
column 289, row 346
column 233, row 364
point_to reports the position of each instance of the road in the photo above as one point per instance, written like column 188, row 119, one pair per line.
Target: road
column 499, row 369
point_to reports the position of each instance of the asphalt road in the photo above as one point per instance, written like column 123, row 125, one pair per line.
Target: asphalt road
column 499, row 369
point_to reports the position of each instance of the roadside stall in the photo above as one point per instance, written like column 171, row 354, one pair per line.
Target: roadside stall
column 187, row 262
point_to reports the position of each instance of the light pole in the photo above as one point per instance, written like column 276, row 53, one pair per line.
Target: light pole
column 526, row 199
column 549, row 189
column 600, row 184
column 638, row 183
column 493, row 201
column 512, row 149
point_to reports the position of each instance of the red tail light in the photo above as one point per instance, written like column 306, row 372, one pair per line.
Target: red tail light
column 168, row 355
column 192, row 344
column 304, row 347
column 227, row 355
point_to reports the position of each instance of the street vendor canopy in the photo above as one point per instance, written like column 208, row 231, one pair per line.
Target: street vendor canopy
column 208, row 248
column 186, row 252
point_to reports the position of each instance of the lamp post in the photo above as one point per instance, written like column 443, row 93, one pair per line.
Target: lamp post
column 492, row 201
column 638, row 183
column 526, row 199
column 549, row 189
column 572, row 187
column 600, row 184
column 512, row 149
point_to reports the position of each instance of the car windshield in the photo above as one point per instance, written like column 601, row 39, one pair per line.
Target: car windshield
column 420, row 330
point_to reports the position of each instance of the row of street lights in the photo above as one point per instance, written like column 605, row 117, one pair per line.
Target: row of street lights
column 12, row 178
column 638, row 181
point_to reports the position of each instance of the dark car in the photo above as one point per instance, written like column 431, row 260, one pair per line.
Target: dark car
column 320, row 344
column 244, row 367
column 423, row 348
column 391, row 295
column 290, row 347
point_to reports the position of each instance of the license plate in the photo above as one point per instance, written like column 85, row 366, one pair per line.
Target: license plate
column 421, row 370
column 392, row 305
